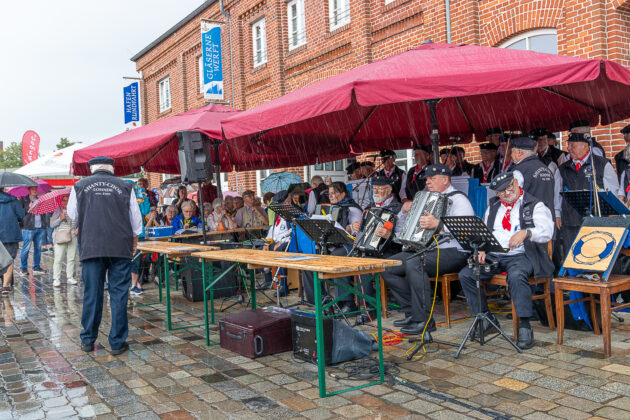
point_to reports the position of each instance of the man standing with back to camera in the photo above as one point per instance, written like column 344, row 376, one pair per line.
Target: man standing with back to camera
column 109, row 222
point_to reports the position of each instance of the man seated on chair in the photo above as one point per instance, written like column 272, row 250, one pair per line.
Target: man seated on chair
column 522, row 224
column 413, row 293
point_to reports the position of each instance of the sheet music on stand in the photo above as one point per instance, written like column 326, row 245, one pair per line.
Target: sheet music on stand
column 288, row 212
column 471, row 232
column 582, row 202
column 323, row 232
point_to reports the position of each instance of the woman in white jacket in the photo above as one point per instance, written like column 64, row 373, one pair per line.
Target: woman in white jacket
column 65, row 239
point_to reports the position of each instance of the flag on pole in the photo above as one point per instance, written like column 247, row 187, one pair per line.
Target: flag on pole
column 212, row 62
column 30, row 147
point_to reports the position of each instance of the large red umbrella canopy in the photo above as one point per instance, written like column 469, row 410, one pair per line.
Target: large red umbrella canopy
column 154, row 146
column 381, row 105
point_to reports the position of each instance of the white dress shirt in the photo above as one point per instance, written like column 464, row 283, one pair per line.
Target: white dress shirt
column 279, row 231
column 135, row 218
column 611, row 181
column 541, row 232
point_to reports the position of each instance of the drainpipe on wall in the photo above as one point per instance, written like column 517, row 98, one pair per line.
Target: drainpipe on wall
column 447, row 4
column 227, row 16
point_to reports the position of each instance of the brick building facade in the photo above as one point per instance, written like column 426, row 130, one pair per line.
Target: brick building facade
column 309, row 40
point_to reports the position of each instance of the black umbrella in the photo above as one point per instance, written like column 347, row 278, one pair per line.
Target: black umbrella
column 10, row 179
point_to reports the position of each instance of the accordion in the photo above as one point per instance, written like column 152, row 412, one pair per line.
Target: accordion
column 366, row 241
column 412, row 234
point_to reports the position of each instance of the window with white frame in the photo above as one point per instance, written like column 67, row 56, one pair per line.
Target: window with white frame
column 200, row 65
column 259, row 38
column 338, row 13
column 540, row 40
column 388, row 1
column 165, row 93
column 296, row 26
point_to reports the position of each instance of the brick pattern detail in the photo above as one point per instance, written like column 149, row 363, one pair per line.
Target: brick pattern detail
column 586, row 28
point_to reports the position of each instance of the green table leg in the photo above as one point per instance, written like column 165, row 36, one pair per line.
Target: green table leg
column 160, row 276
column 319, row 334
column 205, row 300
column 168, row 294
column 211, row 295
column 252, row 286
column 379, row 327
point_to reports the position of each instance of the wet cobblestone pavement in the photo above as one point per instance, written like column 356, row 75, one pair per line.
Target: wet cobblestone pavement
column 173, row 375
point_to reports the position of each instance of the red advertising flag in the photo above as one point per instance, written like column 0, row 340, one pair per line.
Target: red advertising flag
column 30, row 147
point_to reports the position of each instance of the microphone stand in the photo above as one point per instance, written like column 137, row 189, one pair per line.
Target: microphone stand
column 594, row 194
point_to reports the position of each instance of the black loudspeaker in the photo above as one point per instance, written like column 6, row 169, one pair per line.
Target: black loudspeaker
column 192, row 285
column 305, row 338
column 195, row 160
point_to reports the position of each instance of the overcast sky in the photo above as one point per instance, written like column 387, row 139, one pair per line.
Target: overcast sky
column 62, row 63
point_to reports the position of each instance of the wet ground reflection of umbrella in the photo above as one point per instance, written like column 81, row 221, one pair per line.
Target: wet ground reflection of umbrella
column 42, row 188
column 279, row 181
column 10, row 179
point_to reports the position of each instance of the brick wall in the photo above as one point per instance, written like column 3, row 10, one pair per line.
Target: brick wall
column 586, row 28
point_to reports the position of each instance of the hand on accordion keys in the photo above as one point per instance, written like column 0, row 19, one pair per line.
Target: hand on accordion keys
column 385, row 230
column 428, row 221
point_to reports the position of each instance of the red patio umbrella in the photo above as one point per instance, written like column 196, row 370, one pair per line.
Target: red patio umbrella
column 462, row 89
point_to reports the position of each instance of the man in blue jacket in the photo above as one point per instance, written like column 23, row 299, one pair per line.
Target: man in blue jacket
column 11, row 216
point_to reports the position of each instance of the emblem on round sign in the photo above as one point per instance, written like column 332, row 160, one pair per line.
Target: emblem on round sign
column 593, row 247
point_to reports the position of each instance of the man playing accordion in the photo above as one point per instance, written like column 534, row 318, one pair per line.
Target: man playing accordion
column 413, row 293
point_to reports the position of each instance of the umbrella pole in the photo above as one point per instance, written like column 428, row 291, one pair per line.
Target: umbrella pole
column 435, row 134
column 203, row 216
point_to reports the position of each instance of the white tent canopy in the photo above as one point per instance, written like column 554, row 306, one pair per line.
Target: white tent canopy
column 53, row 164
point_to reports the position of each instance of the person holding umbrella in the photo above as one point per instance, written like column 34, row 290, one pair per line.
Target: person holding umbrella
column 33, row 232
column 109, row 222
column 11, row 215
column 65, row 241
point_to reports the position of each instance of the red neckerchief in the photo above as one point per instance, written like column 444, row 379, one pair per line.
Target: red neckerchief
column 541, row 154
column 508, row 209
column 383, row 202
column 416, row 172
column 578, row 165
column 389, row 173
column 168, row 222
column 486, row 172
column 278, row 220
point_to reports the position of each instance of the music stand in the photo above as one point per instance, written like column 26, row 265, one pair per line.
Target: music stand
column 288, row 212
column 582, row 203
column 323, row 232
column 472, row 234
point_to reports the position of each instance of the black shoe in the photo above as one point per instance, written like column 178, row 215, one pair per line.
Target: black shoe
column 121, row 350
column 488, row 328
column 348, row 307
column 525, row 338
column 87, row 347
column 418, row 327
column 403, row 322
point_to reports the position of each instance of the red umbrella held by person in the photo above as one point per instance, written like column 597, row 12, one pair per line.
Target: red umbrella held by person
column 50, row 202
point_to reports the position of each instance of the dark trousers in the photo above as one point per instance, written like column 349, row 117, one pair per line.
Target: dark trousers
column 413, row 293
column 118, row 272
column 518, row 269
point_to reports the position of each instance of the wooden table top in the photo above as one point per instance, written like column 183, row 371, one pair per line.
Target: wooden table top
column 326, row 264
column 613, row 281
column 172, row 248
column 209, row 233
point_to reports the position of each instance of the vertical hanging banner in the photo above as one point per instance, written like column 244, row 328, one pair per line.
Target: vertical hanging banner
column 131, row 95
column 212, row 62
column 30, row 147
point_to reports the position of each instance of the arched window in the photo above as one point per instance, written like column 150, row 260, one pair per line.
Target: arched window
column 540, row 40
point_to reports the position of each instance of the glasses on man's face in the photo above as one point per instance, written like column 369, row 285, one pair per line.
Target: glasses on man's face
column 511, row 188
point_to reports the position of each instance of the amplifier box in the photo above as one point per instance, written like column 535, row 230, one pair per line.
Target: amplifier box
column 305, row 338
column 256, row 333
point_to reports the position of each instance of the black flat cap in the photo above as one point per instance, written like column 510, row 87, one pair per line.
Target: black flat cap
column 502, row 181
column 580, row 137
column 493, row 130
column 551, row 136
column 488, row 146
column 625, row 130
column 437, row 169
column 352, row 167
column 579, row 123
column 426, row 148
column 367, row 163
column 445, row 151
column 522, row 142
column 538, row 132
column 280, row 196
column 381, row 180
column 387, row 153
column 457, row 149
column 101, row 160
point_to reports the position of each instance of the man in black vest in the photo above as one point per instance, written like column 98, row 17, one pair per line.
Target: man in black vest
column 488, row 168
column 584, row 127
column 415, row 178
column 383, row 199
column 318, row 194
column 622, row 159
column 576, row 175
column 393, row 172
column 522, row 224
column 546, row 152
column 538, row 180
column 414, row 293
column 109, row 223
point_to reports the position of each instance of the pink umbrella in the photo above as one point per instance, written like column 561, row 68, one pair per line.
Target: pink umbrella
column 49, row 202
column 42, row 188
